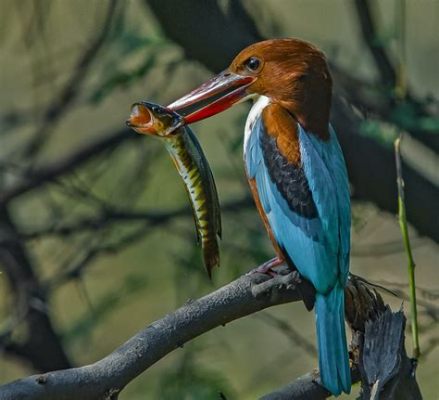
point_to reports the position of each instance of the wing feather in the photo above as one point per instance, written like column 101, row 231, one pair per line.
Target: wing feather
column 317, row 245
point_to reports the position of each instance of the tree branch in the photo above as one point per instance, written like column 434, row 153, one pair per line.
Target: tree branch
column 64, row 99
column 388, row 372
column 107, row 377
column 41, row 346
column 54, row 169
column 305, row 387
column 373, row 324
column 236, row 27
column 111, row 215
column 376, row 47
column 377, row 352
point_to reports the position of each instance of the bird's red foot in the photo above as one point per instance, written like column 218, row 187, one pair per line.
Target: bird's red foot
column 267, row 267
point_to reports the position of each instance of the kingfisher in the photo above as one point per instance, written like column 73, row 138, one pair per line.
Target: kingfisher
column 296, row 173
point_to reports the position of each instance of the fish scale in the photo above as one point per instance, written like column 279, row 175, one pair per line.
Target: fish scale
column 199, row 184
column 192, row 179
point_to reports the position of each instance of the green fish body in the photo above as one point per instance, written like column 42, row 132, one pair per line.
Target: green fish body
column 192, row 165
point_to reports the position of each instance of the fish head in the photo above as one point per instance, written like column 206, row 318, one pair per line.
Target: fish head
column 153, row 119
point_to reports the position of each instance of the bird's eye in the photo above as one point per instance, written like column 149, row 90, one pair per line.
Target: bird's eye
column 252, row 64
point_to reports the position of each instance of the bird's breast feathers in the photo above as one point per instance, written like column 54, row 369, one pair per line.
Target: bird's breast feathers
column 303, row 190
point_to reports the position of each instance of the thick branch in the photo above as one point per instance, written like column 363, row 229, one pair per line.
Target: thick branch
column 382, row 364
column 304, row 388
column 388, row 372
column 224, row 34
column 107, row 377
column 41, row 346
column 246, row 295
column 377, row 352
column 376, row 47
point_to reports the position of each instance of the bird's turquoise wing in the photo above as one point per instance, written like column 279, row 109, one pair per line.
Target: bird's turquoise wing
column 307, row 206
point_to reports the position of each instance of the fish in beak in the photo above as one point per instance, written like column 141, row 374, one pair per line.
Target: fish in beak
column 217, row 94
column 152, row 119
column 157, row 121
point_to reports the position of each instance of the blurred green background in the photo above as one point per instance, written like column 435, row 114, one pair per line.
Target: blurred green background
column 101, row 272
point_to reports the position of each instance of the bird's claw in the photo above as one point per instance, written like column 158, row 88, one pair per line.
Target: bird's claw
column 279, row 280
column 272, row 267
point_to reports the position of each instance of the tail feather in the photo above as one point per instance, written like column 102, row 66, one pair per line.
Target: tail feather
column 331, row 337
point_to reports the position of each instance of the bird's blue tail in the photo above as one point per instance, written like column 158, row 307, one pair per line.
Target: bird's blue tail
column 331, row 336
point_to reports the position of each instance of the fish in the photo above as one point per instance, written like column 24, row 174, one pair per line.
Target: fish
column 185, row 150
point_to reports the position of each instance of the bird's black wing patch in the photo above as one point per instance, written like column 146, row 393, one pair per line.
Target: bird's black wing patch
column 290, row 180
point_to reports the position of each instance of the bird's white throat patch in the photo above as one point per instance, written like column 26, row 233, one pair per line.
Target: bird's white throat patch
column 253, row 115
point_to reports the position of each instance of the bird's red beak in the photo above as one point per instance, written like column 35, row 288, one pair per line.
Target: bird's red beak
column 216, row 95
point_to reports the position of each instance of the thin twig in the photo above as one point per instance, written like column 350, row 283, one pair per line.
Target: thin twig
column 63, row 100
column 290, row 332
column 63, row 165
column 110, row 215
column 406, row 240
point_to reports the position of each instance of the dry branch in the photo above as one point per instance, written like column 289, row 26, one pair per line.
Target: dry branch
column 305, row 387
column 54, row 169
column 43, row 348
column 106, row 378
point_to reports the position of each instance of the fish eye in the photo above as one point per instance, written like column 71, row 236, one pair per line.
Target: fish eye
column 252, row 64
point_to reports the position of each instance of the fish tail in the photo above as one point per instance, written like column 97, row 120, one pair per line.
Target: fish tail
column 331, row 336
column 211, row 255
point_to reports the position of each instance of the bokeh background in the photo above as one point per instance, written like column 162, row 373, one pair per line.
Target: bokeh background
column 96, row 236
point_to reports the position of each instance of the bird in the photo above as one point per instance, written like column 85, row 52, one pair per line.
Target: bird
column 296, row 172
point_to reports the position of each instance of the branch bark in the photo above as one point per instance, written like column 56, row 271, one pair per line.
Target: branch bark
column 372, row 331
column 224, row 34
column 377, row 352
column 382, row 365
column 388, row 372
column 305, row 387
column 376, row 47
column 41, row 346
column 56, row 168
column 107, row 377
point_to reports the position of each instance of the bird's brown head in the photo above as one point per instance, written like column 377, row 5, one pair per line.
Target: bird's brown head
column 291, row 72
